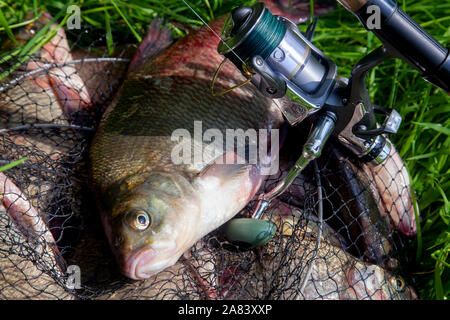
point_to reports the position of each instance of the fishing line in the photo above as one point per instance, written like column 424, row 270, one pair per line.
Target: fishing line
column 320, row 216
column 218, row 36
column 46, row 126
column 265, row 36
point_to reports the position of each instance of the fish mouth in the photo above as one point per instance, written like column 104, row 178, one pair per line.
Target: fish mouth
column 144, row 263
column 135, row 264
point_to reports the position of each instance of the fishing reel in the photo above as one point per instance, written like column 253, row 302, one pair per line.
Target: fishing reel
column 283, row 61
column 283, row 64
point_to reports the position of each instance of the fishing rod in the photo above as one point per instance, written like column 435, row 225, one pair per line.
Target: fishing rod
column 405, row 39
column 283, row 63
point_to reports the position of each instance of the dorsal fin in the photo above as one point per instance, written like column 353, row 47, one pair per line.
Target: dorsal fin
column 157, row 39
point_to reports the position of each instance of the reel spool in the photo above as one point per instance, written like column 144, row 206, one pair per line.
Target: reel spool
column 282, row 60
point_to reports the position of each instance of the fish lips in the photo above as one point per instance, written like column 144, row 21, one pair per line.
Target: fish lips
column 134, row 264
column 144, row 263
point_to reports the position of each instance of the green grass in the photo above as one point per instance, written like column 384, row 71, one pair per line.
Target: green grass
column 12, row 164
column 424, row 137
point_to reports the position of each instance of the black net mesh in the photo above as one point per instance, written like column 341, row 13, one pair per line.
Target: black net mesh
column 339, row 226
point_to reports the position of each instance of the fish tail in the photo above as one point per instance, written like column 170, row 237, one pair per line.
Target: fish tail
column 26, row 217
column 71, row 92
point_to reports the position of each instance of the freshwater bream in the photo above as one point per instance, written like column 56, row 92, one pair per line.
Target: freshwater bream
column 153, row 210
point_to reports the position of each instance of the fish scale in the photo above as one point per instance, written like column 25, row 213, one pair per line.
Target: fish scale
column 154, row 119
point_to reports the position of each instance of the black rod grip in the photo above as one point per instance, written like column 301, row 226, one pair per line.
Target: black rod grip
column 405, row 39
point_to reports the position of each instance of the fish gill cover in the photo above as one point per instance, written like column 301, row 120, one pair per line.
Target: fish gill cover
column 341, row 226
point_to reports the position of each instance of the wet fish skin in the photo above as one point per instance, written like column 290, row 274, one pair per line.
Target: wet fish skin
column 370, row 282
column 101, row 78
column 21, row 211
column 21, row 275
column 31, row 256
column 34, row 100
column 360, row 215
column 351, row 191
column 391, row 184
column 48, row 96
column 64, row 81
column 70, row 89
column 27, row 218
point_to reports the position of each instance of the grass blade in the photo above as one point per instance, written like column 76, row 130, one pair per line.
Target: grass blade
column 39, row 39
column 434, row 126
column 21, row 24
column 6, row 27
column 136, row 35
column 12, row 164
column 109, row 37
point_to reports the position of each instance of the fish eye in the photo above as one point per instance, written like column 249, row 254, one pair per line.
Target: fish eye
column 139, row 220
column 398, row 283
